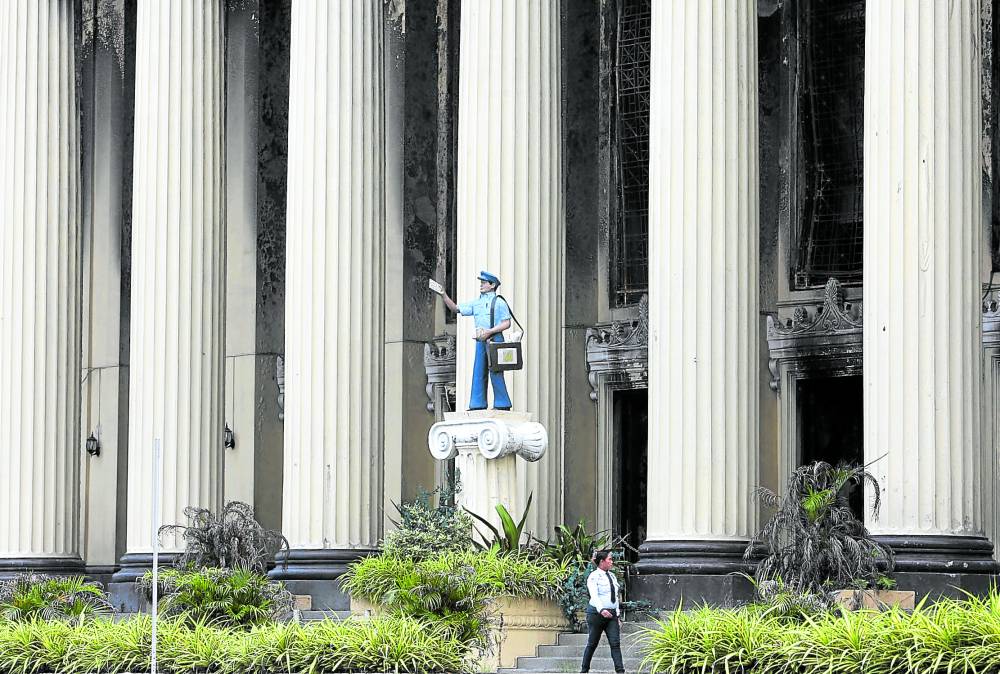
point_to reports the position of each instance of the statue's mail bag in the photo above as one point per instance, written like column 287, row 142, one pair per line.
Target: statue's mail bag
column 504, row 355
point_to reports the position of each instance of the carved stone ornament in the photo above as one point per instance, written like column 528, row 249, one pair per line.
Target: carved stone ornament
column 823, row 337
column 834, row 316
column 617, row 354
column 494, row 433
column 623, row 334
column 439, row 367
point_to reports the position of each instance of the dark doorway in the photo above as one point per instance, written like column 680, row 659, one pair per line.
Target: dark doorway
column 830, row 424
column 630, row 410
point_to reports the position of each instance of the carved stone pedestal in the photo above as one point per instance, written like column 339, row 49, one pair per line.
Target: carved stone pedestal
column 485, row 445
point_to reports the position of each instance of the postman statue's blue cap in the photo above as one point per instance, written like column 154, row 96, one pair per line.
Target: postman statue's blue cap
column 488, row 277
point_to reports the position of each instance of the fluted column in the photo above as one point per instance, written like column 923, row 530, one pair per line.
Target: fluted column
column 334, row 287
column 703, row 317
column 178, row 268
column 511, row 215
column 39, row 288
column 922, row 329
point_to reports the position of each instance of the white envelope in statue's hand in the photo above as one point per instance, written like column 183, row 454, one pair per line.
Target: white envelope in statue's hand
column 435, row 286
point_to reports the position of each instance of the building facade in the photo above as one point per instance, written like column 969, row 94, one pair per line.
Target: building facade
column 741, row 237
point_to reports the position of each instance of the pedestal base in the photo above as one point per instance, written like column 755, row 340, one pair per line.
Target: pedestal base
column 56, row 566
column 316, row 573
column 943, row 566
column 670, row 591
column 691, row 573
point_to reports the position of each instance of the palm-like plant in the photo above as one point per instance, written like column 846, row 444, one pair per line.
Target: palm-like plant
column 814, row 541
column 231, row 539
column 37, row 596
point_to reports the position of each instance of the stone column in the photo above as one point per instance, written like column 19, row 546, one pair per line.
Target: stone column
column 922, row 329
column 177, row 335
column 511, row 215
column 332, row 503
column 703, row 317
column 39, row 288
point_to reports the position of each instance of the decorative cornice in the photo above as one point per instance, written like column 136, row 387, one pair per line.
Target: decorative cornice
column 616, row 351
column 440, row 352
column 439, row 367
column 627, row 334
column 833, row 317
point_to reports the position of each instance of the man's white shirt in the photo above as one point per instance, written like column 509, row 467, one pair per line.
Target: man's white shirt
column 600, row 590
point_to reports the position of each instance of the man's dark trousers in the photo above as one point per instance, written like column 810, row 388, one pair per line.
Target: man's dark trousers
column 597, row 625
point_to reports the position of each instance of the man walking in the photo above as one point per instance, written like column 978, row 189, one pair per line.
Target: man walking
column 492, row 316
column 602, row 611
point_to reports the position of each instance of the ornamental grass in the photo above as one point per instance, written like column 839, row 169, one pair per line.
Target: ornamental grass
column 950, row 636
column 387, row 644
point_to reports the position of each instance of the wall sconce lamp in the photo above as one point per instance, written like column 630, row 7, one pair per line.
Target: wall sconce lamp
column 93, row 446
column 228, row 439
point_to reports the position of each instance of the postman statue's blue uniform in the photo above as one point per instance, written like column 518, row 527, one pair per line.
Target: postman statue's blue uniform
column 479, row 309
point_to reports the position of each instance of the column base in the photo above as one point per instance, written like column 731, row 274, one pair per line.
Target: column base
column 712, row 557
column 55, row 566
column 692, row 573
column 316, row 573
column 943, row 566
column 122, row 590
column 942, row 554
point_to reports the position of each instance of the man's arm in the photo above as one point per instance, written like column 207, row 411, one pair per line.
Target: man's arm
column 450, row 303
column 498, row 328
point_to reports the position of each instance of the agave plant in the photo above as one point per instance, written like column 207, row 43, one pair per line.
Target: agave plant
column 814, row 542
column 507, row 539
column 231, row 539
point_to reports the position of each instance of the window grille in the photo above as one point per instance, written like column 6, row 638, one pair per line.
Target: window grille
column 630, row 233
column 831, row 113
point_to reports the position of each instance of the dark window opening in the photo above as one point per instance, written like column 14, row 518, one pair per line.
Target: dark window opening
column 830, row 422
column 630, row 422
column 830, row 125
column 630, row 232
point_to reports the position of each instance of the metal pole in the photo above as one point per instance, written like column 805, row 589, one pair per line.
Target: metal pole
column 157, row 489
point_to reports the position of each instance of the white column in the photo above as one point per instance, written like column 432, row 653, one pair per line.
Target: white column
column 39, row 286
column 334, row 286
column 511, row 216
column 703, row 317
column 178, row 264
column 922, row 328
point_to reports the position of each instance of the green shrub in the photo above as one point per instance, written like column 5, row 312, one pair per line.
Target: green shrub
column 373, row 577
column 232, row 539
column 223, row 597
column 949, row 636
column 455, row 590
column 35, row 596
column 379, row 645
column 424, row 530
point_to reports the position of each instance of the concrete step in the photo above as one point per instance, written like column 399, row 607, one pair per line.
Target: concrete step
column 310, row 616
column 576, row 639
column 573, row 664
column 603, row 651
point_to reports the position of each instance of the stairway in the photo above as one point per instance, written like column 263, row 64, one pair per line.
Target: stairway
column 567, row 654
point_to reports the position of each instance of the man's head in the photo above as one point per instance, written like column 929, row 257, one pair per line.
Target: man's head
column 487, row 282
column 602, row 560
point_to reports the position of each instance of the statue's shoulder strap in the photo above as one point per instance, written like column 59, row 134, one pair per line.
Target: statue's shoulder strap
column 493, row 306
